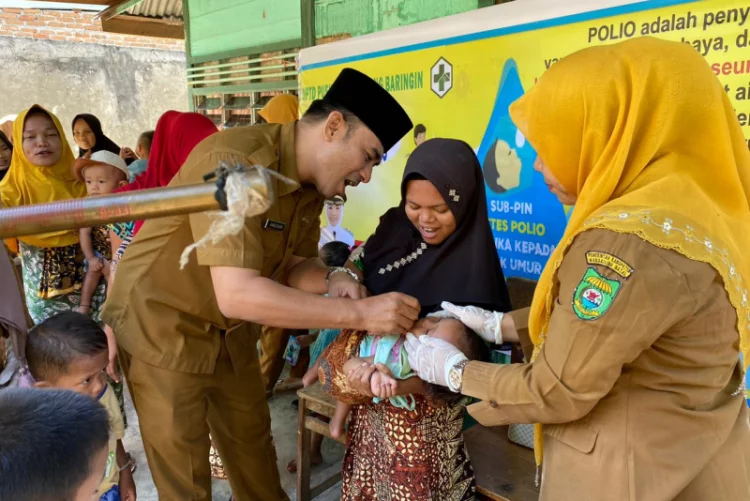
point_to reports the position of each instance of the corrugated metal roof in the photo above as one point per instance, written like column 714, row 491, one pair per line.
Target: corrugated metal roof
column 162, row 9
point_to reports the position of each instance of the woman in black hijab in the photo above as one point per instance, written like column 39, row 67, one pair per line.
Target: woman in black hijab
column 436, row 246
column 417, row 251
column 88, row 135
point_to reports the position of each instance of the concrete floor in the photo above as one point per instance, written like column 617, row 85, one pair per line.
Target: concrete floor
column 284, row 429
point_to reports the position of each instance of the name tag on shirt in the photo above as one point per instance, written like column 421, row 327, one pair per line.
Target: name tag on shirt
column 274, row 225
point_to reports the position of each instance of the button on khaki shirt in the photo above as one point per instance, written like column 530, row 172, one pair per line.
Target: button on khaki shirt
column 637, row 381
column 170, row 318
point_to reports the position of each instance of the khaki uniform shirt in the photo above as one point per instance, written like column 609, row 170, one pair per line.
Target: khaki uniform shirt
column 637, row 381
column 170, row 318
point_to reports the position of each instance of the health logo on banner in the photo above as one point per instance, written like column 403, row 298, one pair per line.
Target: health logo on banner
column 527, row 220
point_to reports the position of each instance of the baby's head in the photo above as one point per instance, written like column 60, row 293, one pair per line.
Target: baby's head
column 334, row 254
column 455, row 333
column 53, row 445
column 68, row 351
column 143, row 148
column 103, row 172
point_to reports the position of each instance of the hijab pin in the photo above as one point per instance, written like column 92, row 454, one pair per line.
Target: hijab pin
column 454, row 195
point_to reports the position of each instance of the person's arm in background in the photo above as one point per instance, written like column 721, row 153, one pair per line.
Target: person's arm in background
column 582, row 359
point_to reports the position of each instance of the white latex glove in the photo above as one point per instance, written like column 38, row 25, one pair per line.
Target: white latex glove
column 432, row 359
column 483, row 322
column 441, row 314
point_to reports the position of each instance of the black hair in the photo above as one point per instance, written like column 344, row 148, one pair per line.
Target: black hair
column 320, row 109
column 475, row 349
column 53, row 344
column 48, row 442
column 334, row 254
column 419, row 129
column 6, row 141
column 146, row 139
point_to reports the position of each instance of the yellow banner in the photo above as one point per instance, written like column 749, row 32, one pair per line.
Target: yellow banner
column 461, row 88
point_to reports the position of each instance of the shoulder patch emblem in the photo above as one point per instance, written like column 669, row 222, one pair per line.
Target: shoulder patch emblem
column 614, row 263
column 594, row 295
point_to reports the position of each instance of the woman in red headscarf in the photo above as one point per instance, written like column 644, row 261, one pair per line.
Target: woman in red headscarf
column 175, row 136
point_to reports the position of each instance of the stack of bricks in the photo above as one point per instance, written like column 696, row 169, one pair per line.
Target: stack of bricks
column 73, row 26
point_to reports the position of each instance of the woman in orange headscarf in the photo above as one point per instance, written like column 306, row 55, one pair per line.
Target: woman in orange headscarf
column 642, row 311
column 40, row 172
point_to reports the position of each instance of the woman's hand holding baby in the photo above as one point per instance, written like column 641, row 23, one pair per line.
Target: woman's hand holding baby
column 359, row 379
column 382, row 383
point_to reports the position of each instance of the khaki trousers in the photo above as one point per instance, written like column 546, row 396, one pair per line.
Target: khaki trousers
column 273, row 341
column 178, row 410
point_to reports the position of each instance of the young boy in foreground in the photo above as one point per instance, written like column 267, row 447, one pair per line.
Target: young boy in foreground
column 69, row 351
column 53, row 445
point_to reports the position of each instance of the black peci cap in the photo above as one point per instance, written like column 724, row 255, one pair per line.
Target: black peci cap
column 372, row 104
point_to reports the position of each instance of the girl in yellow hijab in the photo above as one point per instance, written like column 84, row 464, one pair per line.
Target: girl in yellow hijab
column 40, row 173
column 641, row 313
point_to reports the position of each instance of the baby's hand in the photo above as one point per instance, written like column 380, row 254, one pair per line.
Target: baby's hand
column 95, row 264
column 383, row 385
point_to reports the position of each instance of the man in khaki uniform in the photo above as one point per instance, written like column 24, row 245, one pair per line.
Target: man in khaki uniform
column 188, row 338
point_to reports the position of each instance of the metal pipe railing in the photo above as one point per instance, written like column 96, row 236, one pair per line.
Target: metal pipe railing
column 131, row 206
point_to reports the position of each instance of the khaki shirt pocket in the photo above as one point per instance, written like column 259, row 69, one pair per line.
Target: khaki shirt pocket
column 577, row 435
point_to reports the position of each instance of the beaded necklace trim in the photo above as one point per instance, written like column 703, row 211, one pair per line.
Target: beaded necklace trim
column 404, row 260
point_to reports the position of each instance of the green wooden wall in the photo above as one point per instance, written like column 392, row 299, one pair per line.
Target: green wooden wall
column 359, row 17
column 220, row 26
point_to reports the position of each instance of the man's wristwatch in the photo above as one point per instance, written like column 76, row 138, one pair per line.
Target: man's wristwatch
column 341, row 269
column 456, row 376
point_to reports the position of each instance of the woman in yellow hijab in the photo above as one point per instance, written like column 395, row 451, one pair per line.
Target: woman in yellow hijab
column 40, row 173
column 281, row 109
column 641, row 313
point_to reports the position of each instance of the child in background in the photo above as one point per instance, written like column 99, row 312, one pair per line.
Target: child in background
column 394, row 378
column 53, row 445
column 140, row 156
column 103, row 172
column 69, row 351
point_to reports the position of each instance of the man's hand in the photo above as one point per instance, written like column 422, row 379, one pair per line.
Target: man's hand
column 382, row 382
column 127, row 485
column 95, row 263
column 343, row 285
column 392, row 313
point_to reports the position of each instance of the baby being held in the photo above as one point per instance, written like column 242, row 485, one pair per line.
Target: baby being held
column 394, row 380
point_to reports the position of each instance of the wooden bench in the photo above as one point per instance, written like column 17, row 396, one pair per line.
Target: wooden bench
column 313, row 399
column 504, row 471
